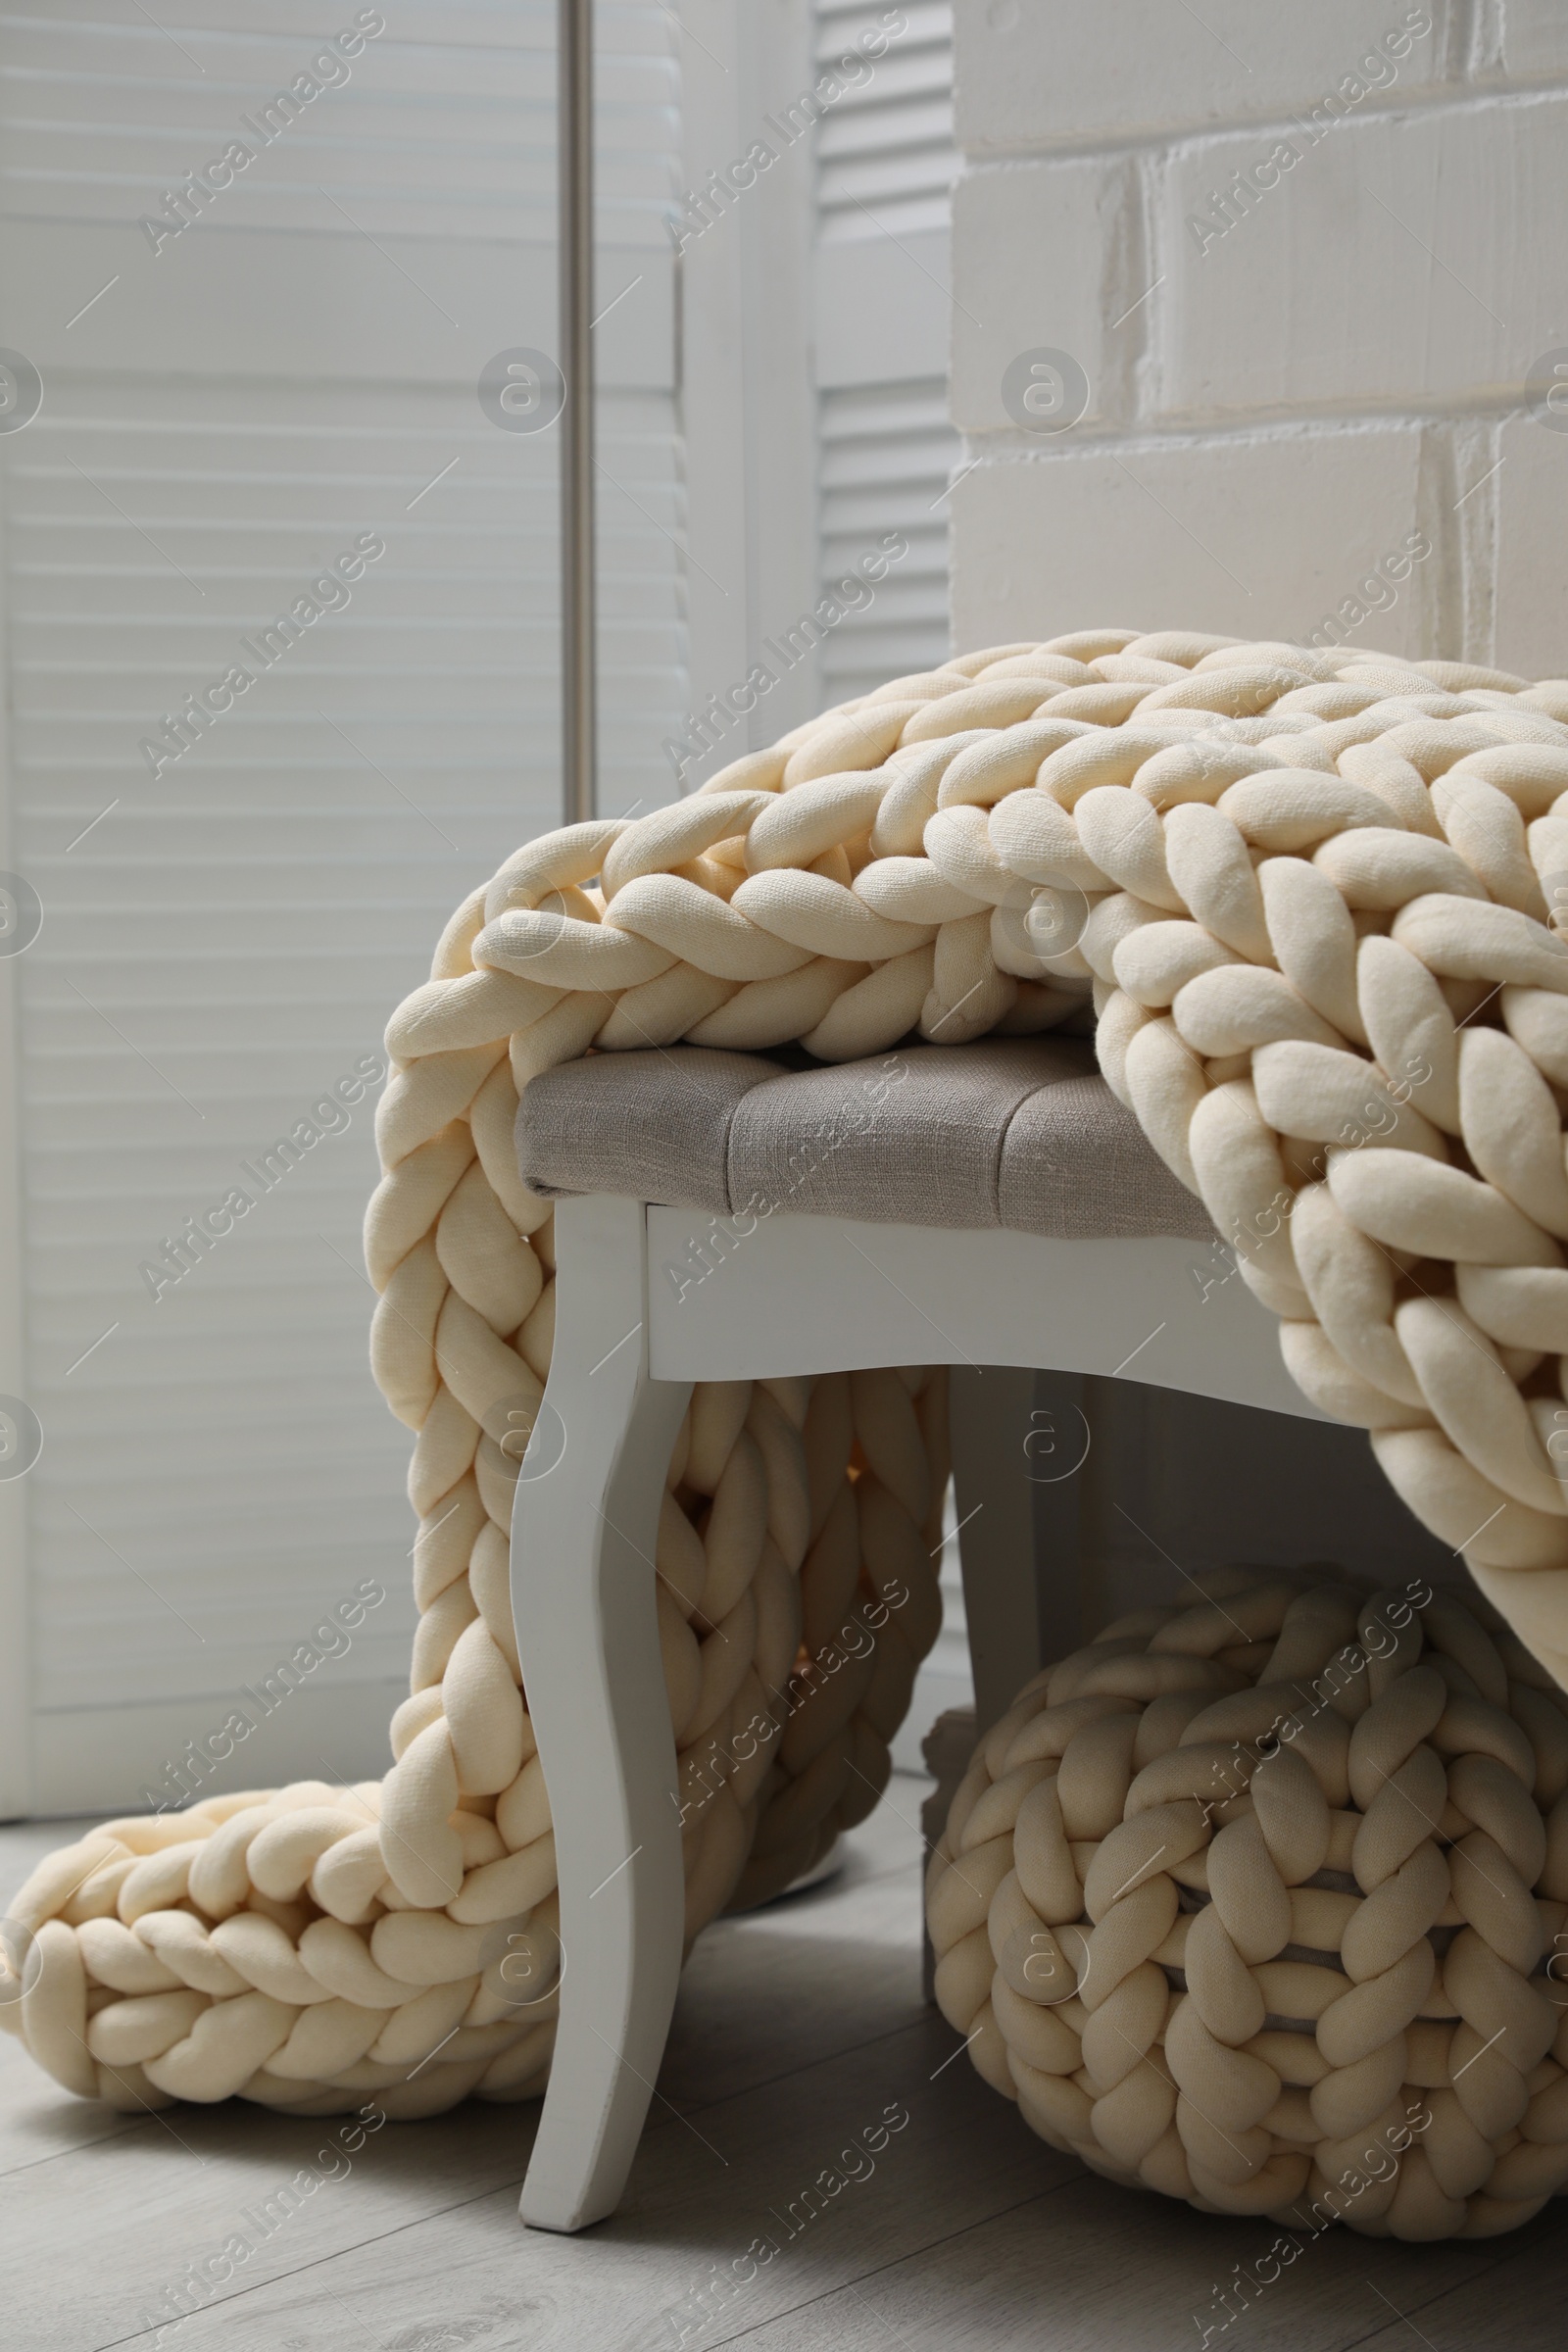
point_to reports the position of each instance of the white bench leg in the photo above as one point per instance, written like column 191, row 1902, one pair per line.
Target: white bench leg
column 583, row 1536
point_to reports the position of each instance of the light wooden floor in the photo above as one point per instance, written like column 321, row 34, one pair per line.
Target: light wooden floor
column 796, row 2029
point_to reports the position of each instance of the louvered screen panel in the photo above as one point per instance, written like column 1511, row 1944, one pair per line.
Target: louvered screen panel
column 885, row 168
column 886, row 451
column 886, row 457
column 222, row 943
column 888, row 142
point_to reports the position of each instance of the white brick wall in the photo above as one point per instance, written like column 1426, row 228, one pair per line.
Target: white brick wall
column 1527, row 38
column 1260, row 536
column 1306, row 260
column 1406, row 258
column 1032, row 248
column 1032, row 72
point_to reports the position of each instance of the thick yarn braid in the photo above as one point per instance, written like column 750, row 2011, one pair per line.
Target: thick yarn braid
column 1256, row 1902
column 1306, row 894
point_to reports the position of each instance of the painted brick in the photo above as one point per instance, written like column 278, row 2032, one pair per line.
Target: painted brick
column 1529, row 617
column 1255, row 537
column 1030, row 73
column 1395, row 260
column 1035, row 247
column 1534, row 38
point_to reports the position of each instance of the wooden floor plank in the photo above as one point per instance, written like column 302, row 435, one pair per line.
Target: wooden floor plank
column 808, row 1976
column 702, row 2191
column 1518, row 2306
column 39, row 2123
column 1091, row 2268
column 158, row 2202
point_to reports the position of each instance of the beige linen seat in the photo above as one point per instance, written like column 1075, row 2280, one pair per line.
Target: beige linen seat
column 1015, row 1131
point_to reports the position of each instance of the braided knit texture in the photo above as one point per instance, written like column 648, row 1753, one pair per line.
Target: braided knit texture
column 1303, row 898
column 1261, row 1902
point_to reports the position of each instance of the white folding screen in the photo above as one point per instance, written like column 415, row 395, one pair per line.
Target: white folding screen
column 246, row 376
column 230, row 405
column 885, row 164
column 886, row 451
column 815, row 300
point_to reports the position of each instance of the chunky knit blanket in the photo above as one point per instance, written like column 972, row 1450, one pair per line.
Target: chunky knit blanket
column 1306, row 900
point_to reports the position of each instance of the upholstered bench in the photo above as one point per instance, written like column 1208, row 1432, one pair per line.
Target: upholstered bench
column 1018, row 1132
column 738, row 1217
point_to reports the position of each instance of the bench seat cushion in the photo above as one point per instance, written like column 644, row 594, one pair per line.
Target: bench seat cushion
column 1020, row 1132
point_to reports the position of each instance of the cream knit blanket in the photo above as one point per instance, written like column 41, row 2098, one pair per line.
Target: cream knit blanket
column 1311, row 898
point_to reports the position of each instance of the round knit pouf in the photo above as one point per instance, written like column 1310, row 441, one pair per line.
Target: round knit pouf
column 1261, row 1903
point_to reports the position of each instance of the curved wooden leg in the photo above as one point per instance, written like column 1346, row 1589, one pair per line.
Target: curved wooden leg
column 583, row 1535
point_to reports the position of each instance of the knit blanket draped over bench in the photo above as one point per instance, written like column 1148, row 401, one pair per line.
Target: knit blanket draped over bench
column 1305, row 901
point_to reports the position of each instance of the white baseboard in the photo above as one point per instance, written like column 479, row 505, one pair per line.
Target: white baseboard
column 120, row 1759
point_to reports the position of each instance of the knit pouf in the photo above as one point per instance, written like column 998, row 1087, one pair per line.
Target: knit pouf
column 1260, row 1901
